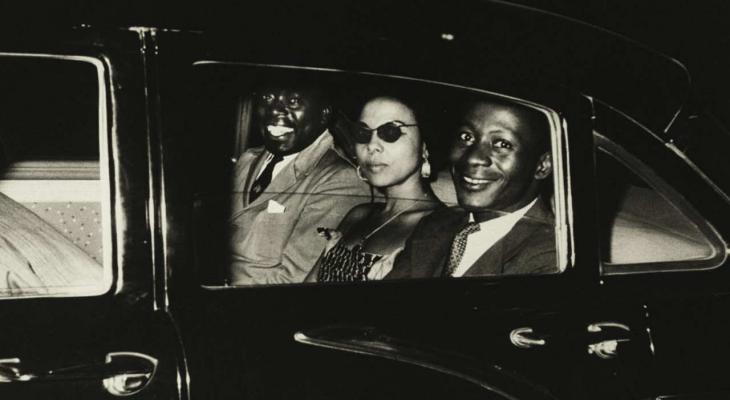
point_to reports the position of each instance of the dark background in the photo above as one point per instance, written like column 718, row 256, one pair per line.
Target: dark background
column 695, row 32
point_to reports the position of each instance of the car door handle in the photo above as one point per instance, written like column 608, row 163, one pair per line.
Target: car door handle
column 10, row 371
column 600, row 326
column 122, row 373
column 524, row 338
column 606, row 349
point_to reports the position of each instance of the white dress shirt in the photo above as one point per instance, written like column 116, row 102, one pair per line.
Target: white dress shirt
column 278, row 167
column 489, row 233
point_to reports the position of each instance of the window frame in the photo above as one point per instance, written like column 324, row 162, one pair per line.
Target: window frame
column 562, row 186
column 104, row 176
column 676, row 200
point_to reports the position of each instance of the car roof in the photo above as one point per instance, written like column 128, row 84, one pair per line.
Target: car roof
column 511, row 42
column 461, row 41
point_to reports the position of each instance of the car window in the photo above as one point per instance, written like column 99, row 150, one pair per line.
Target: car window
column 644, row 224
column 331, row 176
column 53, row 217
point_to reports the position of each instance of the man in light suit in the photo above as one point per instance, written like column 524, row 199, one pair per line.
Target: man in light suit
column 500, row 160
column 283, row 191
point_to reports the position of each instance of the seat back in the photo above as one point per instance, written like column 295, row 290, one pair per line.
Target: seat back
column 66, row 194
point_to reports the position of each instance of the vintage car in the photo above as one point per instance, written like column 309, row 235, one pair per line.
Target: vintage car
column 118, row 145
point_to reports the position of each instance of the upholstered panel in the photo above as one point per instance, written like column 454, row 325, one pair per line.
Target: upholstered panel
column 648, row 228
column 80, row 222
column 443, row 188
column 66, row 194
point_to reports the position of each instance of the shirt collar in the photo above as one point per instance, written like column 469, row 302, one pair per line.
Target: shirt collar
column 305, row 159
column 513, row 216
column 284, row 159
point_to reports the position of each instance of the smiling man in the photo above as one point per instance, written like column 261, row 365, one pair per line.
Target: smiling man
column 500, row 160
column 283, row 191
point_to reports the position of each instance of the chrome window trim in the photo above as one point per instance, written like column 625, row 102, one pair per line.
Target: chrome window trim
column 564, row 237
column 674, row 198
column 104, row 177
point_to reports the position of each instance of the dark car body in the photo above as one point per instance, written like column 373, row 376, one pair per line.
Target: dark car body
column 654, row 331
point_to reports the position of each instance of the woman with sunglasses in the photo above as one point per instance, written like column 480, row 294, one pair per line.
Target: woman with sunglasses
column 392, row 157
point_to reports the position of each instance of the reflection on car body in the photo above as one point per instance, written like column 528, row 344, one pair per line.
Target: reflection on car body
column 184, row 175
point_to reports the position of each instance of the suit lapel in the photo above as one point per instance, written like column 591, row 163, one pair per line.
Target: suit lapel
column 492, row 262
column 283, row 181
column 437, row 244
column 256, row 165
column 298, row 169
column 540, row 213
column 514, row 239
column 438, row 251
column 537, row 218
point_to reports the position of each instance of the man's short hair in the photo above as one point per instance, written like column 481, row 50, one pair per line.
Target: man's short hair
column 305, row 81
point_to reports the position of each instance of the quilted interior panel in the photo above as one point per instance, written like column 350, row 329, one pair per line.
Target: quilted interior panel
column 79, row 221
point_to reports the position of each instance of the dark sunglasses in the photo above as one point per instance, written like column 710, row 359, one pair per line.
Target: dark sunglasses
column 389, row 132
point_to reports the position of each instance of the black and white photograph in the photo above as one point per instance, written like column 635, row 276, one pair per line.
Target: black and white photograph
column 278, row 199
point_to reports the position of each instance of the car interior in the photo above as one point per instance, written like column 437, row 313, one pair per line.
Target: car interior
column 225, row 104
column 49, row 170
column 640, row 225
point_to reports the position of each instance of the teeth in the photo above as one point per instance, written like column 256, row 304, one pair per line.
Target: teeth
column 476, row 181
column 275, row 130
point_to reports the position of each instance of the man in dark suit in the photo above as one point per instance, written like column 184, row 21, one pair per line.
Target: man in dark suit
column 298, row 181
column 500, row 159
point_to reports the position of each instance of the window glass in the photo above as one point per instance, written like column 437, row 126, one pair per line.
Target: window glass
column 328, row 176
column 644, row 227
column 51, row 195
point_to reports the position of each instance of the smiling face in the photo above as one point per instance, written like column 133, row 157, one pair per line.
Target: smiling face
column 290, row 119
column 499, row 158
column 387, row 164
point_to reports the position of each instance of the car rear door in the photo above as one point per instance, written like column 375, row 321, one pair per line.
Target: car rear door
column 80, row 311
column 524, row 336
column 664, row 255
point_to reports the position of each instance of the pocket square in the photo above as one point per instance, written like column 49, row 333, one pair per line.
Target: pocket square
column 275, row 208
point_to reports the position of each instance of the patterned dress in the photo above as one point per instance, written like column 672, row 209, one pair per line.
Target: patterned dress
column 341, row 264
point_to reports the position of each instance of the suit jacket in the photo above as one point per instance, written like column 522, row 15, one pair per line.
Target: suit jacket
column 529, row 248
column 274, row 238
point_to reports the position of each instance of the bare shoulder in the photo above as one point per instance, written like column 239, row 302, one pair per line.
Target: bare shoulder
column 357, row 214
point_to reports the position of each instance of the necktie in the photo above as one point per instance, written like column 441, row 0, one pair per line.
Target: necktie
column 263, row 181
column 458, row 246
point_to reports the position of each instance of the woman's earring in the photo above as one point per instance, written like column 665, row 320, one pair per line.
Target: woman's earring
column 425, row 168
column 425, row 165
column 359, row 174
